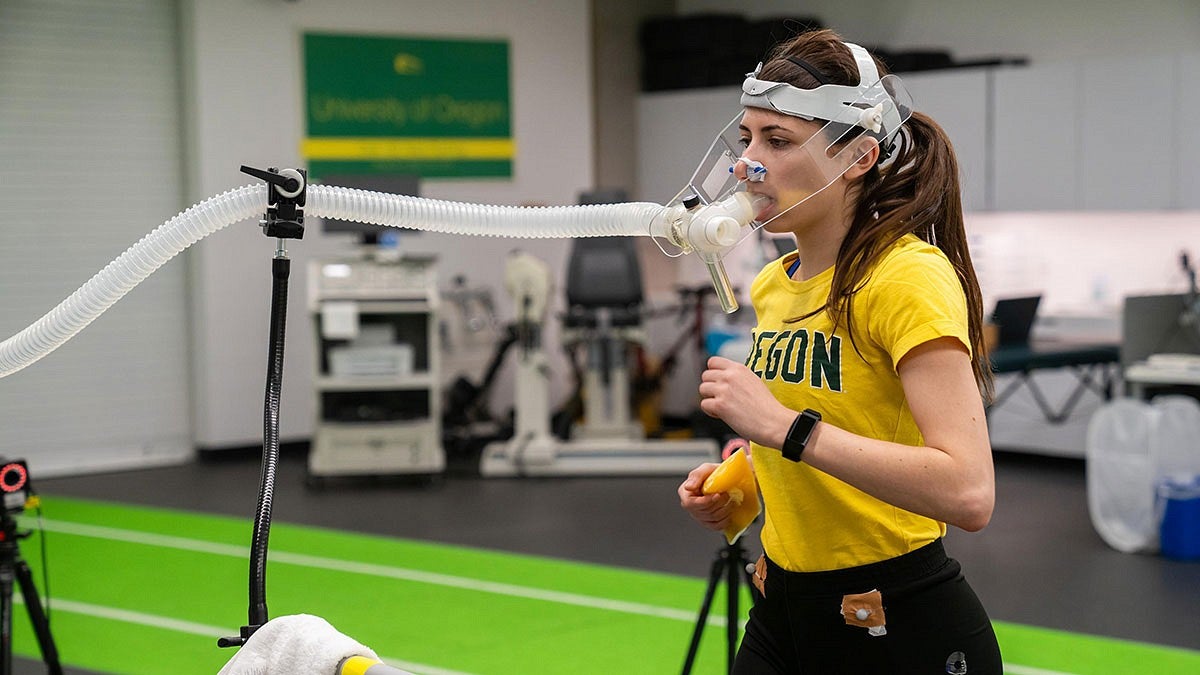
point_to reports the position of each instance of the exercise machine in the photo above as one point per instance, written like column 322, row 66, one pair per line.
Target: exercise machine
column 604, row 291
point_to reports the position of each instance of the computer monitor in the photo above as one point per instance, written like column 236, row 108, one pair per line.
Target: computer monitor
column 1014, row 318
column 1157, row 324
column 397, row 184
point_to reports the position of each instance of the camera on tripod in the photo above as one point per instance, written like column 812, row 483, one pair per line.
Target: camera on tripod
column 15, row 493
column 14, row 485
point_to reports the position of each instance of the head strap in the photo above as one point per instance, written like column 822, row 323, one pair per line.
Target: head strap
column 820, row 77
column 867, row 104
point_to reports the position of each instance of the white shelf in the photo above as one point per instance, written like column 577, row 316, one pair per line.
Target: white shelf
column 367, row 383
column 393, row 304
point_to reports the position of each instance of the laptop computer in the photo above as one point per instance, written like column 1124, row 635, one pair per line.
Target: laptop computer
column 1014, row 318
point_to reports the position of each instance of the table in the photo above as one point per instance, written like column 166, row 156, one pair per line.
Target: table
column 1095, row 366
column 1152, row 373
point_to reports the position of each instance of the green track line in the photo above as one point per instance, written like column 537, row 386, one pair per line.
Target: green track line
column 146, row 590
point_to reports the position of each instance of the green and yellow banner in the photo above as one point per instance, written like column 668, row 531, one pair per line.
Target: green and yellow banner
column 433, row 108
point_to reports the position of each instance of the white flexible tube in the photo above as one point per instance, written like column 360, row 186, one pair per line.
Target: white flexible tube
column 541, row 222
column 172, row 237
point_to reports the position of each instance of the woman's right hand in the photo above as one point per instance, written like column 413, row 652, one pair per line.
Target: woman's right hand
column 711, row 511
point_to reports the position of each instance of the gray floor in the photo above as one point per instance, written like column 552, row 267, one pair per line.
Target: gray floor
column 1039, row 562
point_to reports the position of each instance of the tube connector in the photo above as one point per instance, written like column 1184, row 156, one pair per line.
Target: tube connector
column 716, row 227
column 671, row 224
column 712, row 230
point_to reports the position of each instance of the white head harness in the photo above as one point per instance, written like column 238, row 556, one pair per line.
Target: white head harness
column 868, row 105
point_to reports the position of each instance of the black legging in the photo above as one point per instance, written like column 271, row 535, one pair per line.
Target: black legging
column 935, row 623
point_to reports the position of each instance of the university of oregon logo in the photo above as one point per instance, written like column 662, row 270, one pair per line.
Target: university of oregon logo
column 798, row 355
column 408, row 64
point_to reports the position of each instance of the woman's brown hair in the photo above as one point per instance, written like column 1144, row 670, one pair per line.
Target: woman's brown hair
column 917, row 192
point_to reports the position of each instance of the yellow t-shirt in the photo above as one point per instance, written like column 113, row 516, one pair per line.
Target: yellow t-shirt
column 812, row 520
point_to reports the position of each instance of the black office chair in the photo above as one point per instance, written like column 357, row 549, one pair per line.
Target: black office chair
column 603, row 277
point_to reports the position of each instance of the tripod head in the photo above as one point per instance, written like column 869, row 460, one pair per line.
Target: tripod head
column 286, row 196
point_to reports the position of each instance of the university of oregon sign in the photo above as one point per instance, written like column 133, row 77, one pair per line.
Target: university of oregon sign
column 434, row 108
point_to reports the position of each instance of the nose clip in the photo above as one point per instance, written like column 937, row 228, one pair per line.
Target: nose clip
column 755, row 171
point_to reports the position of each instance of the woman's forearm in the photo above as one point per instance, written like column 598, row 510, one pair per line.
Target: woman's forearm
column 951, row 487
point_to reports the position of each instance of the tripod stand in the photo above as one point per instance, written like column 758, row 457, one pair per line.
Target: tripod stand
column 731, row 563
column 13, row 566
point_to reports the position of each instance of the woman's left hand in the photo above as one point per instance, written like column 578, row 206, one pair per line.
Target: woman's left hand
column 732, row 393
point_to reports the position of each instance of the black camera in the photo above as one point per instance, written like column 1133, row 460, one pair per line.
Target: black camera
column 14, row 485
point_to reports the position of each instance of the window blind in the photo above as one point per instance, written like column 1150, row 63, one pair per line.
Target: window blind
column 89, row 163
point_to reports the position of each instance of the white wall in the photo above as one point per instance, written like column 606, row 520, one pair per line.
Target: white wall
column 244, row 79
column 1082, row 263
column 243, row 103
column 1043, row 31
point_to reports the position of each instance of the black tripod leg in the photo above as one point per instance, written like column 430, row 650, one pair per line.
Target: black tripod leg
column 6, row 587
column 714, row 578
column 41, row 627
column 732, row 562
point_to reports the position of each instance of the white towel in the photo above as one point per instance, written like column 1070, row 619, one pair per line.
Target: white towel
column 301, row 644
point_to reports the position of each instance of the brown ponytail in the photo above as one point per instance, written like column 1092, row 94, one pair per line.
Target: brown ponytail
column 917, row 191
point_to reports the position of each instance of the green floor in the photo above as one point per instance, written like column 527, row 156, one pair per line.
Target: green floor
column 140, row 590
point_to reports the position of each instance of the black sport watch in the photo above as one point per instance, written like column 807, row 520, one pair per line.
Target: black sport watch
column 797, row 437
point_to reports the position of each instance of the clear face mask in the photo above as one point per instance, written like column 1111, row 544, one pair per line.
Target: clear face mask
column 777, row 171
